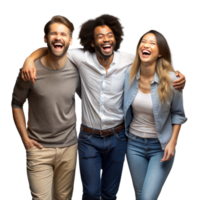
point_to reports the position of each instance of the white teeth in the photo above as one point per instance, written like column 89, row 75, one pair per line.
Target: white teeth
column 58, row 44
column 145, row 51
column 106, row 46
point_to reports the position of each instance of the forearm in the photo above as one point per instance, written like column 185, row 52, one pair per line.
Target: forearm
column 37, row 54
column 19, row 119
column 175, row 133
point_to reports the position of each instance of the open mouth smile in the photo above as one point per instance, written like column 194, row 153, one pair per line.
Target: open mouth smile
column 58, row 46
column 146, row 53
column 107, row 48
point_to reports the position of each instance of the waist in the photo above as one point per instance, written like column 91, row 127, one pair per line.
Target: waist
column 105, row 132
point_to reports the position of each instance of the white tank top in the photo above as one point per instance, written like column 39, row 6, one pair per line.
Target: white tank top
column 143, row 123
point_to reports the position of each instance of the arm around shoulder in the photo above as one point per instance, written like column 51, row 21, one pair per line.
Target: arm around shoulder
column 29, row 71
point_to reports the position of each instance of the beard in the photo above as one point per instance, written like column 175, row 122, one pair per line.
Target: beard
column 98, row 49
column 51, row 48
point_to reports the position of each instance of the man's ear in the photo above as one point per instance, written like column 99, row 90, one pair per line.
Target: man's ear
column 70, row 41
column 44, row 40
column 92, row 43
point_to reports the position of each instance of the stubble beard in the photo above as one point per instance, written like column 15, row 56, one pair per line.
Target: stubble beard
column 52, row 51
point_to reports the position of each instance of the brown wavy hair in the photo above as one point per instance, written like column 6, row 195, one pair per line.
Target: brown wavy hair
column 163, row 66
column 61, row 20
column 86, row 34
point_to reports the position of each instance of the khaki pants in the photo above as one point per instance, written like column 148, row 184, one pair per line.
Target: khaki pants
column 49, row 167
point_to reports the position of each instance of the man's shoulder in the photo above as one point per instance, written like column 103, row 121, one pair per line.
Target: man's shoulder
column 76, row 50
column 38, row 64
column 76, row 55
column 125, row 55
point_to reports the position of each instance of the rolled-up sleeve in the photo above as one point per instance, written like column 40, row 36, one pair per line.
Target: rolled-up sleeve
column 20, row 92
column 177, row 110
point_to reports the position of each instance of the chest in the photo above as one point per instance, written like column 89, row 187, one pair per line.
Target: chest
column 57, row 86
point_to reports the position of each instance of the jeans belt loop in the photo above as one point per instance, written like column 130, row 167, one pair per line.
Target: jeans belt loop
column 113, row 130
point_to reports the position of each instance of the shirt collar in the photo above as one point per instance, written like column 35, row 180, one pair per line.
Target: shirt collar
column 155, row 78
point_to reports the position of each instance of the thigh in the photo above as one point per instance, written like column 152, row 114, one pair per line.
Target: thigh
column 112, row 164
column 138, row 164
column 90, row 165
column 40, row 172
column 156, row 175
column 64, row 172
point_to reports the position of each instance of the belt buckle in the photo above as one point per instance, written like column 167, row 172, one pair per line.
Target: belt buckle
column 103, row 134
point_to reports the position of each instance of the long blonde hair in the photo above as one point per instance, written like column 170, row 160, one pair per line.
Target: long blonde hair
column 163, row 66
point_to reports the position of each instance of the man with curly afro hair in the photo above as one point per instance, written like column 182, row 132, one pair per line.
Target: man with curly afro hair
column 102, row 140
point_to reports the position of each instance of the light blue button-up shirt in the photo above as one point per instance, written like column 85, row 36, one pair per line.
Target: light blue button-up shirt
column 165, row 115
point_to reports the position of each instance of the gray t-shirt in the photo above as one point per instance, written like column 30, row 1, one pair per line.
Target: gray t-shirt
column 51, row 117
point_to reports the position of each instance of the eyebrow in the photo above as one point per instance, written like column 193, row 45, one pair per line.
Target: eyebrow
column 105, row 34
column 150, row 40
column 57, row 32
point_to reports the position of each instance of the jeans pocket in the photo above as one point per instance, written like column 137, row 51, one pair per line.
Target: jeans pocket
column 121, row 135
column 34, row 147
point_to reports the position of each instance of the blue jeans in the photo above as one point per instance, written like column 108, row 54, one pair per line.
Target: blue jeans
column 96, row 153
column 148, row 173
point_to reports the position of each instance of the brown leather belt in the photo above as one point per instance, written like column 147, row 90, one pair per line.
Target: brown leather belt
column 103, row 133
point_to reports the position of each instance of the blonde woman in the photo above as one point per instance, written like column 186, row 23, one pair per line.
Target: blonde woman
column 153, row 111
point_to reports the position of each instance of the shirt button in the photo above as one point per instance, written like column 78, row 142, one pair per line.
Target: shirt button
column 101, row 104
column 158, row 134
column 156, row 113
column 157, row 123
column 154, row 105
column 101, row 92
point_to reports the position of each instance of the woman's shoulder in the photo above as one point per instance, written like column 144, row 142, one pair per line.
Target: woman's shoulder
column 173, row 76
column 128, row 70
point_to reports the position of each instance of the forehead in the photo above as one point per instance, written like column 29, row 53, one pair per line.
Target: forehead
column 149, row 36
column 58, row 27
column 102, row 30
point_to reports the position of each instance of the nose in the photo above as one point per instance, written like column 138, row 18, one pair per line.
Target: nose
column 57, row 37
column 146, row 44
column 106, row 38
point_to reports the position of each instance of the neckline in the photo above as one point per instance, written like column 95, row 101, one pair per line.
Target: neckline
column 144, row 93
column 53, row 70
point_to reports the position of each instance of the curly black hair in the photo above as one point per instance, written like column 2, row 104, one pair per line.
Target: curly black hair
column 86, row 34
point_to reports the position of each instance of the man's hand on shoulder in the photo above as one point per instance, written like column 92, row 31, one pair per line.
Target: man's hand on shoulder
column 29, row 71
column 179, row 83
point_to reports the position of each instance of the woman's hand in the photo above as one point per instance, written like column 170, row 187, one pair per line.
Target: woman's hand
column 169, row 151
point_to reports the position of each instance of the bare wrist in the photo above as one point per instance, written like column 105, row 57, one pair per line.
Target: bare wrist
column 29, row 59
column 25, row 139
column 173, row 142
